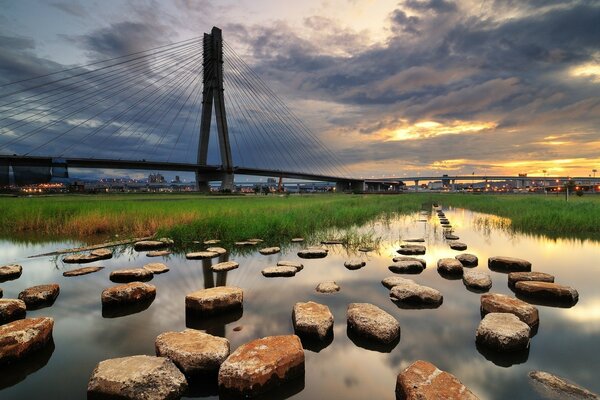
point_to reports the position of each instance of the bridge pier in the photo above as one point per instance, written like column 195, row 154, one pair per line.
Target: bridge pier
column 354, row 186
column 203, row 179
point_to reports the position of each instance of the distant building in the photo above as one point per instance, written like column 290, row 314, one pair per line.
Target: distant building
column 156, row 178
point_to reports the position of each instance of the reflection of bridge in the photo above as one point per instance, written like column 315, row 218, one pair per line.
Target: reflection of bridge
column 153, row 110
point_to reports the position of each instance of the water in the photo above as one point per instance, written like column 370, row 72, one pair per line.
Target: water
column 567, row 343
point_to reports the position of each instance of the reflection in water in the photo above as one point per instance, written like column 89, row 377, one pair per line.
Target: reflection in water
column 16, row 372
column 503, row 359
column 566, row 343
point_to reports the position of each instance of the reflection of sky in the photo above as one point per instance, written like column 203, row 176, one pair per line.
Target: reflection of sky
column 566, row 343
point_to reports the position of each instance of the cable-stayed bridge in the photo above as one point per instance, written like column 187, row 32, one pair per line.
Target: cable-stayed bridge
column 194, row 105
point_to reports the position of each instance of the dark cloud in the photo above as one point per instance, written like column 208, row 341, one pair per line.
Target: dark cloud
column 438, row 6
column 403, row 23
column 74, row 9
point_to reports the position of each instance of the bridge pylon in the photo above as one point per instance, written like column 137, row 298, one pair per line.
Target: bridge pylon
column 213, row 94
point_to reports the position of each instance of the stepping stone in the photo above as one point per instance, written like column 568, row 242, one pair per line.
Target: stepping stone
column 501, row 303
column 313, row 253
column 366, row 249
column 195, row 353
column 150, row 245
column 468, row 260
column 24, row 336
column 201, row 255
column 372, row 323
column 392, row 281
column 354, row 264
column 245, row 243
column 214, row 300
column 224, row 266
column 279, row 271
column 137, row 377
column 260, row 365
column 508, row 264
column 332, row 241
column 407, row 267
column 547, row 291
column 477, row 280
column 412, row 293
column 219, row 250
column 130, row 293
column 447, row 226
column 327, row 287
column 294, row 264
column 212, row 241
column 82, row 271
column 158, row 253
column 449, row 236
column 255, row 240
column 552, row 386
column 156, row 268
column 407, row 258
column 297, row 240
column 131, row 275
column 422, row 380
column 411, row 250
column 269, row 250
column 94, row 255
column 1, row 293
column 312, row 320
column 450, row 266
column 10, row 272
column 12, row 310
column 413, row 240
column 503, row 332
column 39, row 296
column 515, row 277
column 458, row 246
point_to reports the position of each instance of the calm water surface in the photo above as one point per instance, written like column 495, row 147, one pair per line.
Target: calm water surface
column 567, row 343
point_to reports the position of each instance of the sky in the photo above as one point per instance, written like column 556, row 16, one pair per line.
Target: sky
column 394, row 88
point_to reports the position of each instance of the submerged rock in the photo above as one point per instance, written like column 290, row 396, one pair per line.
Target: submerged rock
column 407, row 267
column 515, row 277
column 224, row 266
column 412, row 293
column 372, row 323
column 214, row 300
column 328, row 287
column 411, row 250
column 547, row 291
column 354, row 264
column 201, row 255
column 158, row 253
column 194, row 352
column 450, row 266
column 508, row 264
column 22, row 337
column 501, row 303
column 312, row 320
column 131, row 275
column 156, row 268
column 458, row 246
column 313, row 253
column 477, row 280
column 137, row 377
column 10, row 272
column 130, row 293
column 503, row 332
column 219, row 250
column 262, row 364
column 82, row 271
column 423, row 380
column 468, row 260
column 269, row 250
column 555, row 387
column 279, row 271
column 12, row 310
column 408, row 258
column 41, row 295
column 150, row 245
column 294, row 264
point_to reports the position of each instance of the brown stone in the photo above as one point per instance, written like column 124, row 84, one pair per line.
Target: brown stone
column 503, row 332
column 354, row 264
column 450, row 266
column 261, row 364
column 246, row 243
column 412, row 293
column 372, row 323
column 501, row 303
column 10, row 272
column 194, row 352
column 547, row 291
column 12, row 310
column 424, row 381
column 150, row 245
column 137, row 378
column 219, row 250
column 269, row 250
column 312, row 320
column 508, row 264
column 36, row 296
column 82, row 271
column 158, row 253
column 449, row 236
column 255, row 240
column 297, row 240
column 467, row 260
column 201, row 255
column 212, row 241
column 554, row 387
column 392, row 281
column 156, row 268
column 279, row 271
column 408, row 258
column 414, row 240
column 477, row 280
column 131, row 275
column 129, row 293
column 411, row 250
column 23, row 337
column 332, row 241
column 224, row 266
column 294, row 264
column 214, row 300
column 328, row 287
column 407, row 267
column 457, row 246
column 312, row 253
column 515, row 277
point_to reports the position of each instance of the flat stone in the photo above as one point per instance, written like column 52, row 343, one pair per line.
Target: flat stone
column 412, row 293
column 411, row 250
column 245, row 243
column 449, row 236
column 547, row 291
column 508, row 264
column 103, row 254
column 477, row 280
column 10, row 272
column 219, row 250
column 414, row 240
column 501, row 303
column 137, row 377
column 328, row 287
column 503, row 332
column 24, row 336
column 457, row 246
column 468, row 260
column 94, row 255
column 297, row 240
column 312, row 253
column 408, row 258
column 194, row 352
column 553, row 386
column 156, row 268
column 212, row 241
column 214, row 300
column 312, row 320
column 12, row 310
column 366, row 249
column 407, row 267
column 255, row 240
column 131, row 275
column 295, row 264
column 422, row 381
column 262, row 364
column 150, row 245
column 224, row 266
column 354, row 264
column 450, row 266
column 158, row 253
column 40, row 295
column 392, row 281
column 269, row 250
column 332, row 241
column 82, row 271
column 372, row 323
column 201, row 255
column 279, row 271
column 515, row 277
column 129, row 293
